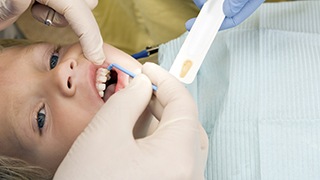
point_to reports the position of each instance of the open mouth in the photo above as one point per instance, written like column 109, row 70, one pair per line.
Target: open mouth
column 106, row 82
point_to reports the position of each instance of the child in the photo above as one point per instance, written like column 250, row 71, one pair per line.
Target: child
column 258, row 95
column 48, row 96
column 58, row 92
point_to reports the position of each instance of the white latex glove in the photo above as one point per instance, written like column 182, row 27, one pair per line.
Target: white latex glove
column 177, row 149
column 77, row 13
column 10, row 10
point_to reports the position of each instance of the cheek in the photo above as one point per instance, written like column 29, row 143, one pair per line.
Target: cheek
column 63, row 131
column 70, row 122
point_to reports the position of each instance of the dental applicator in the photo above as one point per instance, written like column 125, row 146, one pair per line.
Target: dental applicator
column 131, row 74
column 198, row 41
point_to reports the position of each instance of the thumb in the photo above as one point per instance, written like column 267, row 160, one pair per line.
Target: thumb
column 120, row 113
column 233, row 7
column 199, row 3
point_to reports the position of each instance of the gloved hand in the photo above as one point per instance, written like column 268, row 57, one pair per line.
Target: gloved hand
column 10, row 10
column 77, row 13
column 236, row 12
column 107, row 149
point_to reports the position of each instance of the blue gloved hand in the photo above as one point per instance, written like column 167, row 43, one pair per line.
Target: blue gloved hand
column 236, row 12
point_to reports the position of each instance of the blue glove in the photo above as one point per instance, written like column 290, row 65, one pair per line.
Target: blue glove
column 236, row 12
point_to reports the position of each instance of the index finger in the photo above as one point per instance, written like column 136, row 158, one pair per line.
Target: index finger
column 82, row 21
column 172, row 95
column 179, row 129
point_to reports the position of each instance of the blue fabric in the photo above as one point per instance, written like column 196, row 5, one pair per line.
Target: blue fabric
column 258, row 94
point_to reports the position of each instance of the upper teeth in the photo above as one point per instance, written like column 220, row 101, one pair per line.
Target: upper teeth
column 102, row 75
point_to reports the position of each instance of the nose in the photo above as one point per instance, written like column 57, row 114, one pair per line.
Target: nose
column 64, row 75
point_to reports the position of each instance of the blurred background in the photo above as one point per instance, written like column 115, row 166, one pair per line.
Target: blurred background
column 130, row 25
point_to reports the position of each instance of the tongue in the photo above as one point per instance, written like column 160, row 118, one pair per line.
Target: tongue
column 109, row 91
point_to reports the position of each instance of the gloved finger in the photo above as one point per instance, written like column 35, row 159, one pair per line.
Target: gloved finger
column 82, row 21
column 120, row 113
column 179, row 127
column 155, row 107
column 183, row 130
column 10, row 10
column 236, row 12
column 92, row 3
column 232, row 7
column 190, row 23
column 41, row 13
column 204, row 146
column 172, row 95
column 199, row 3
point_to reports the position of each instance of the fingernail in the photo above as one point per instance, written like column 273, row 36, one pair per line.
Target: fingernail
column 97, row 59
column 98, row 62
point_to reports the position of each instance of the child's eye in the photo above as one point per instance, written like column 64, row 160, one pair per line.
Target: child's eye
column 54, row 60
column 41, row 118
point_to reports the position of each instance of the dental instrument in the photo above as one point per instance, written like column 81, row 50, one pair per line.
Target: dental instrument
column 49, row 19
column 146, row 52
column 198, row 41
column 131, row 74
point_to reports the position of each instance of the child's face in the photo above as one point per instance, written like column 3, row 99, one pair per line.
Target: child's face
column 43, row 107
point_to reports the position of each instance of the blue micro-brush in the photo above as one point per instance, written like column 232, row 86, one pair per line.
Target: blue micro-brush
column 131, row 74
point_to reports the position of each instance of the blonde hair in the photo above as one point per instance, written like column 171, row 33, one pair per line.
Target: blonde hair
column 5, row 43
column 16, row 169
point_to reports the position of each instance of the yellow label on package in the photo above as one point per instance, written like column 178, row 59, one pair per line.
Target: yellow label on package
column 198, row 41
